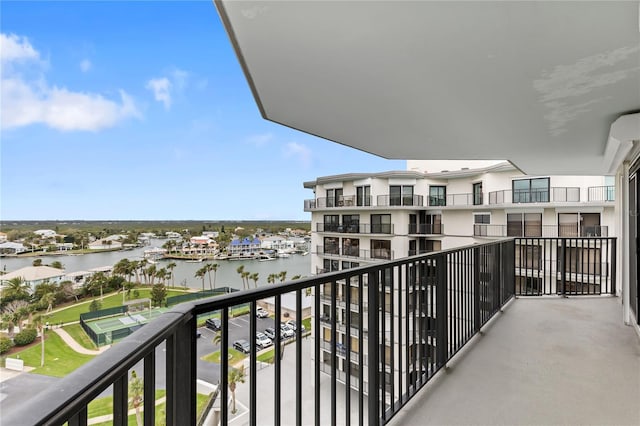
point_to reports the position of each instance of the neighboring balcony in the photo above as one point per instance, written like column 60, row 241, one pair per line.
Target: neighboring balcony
column 544, row 195
column 487, row 230
column 355, row 252
column 466, row 199
column 342, row 201
column 426, row 229
column 356, row 228
column 601, row 193
column 400, row 200
column 550, row 353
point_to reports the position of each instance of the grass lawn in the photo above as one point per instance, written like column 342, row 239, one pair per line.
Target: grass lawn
column 267, row 356
column 59, row 359
column 307, row 324
column 73, row 313
column 234, row 357
column 79, row 335
column 201, row 402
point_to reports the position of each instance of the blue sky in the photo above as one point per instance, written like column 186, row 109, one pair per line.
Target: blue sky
column 139, row 110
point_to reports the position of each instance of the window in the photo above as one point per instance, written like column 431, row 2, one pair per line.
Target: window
column 334, row 197
column 401, row 195
column 349, row 265
column 528, row 256
column 363, row 195
column 579, row 224
column 524, row 224
column 351, row 223
column 331, row 222
column 480, row 222
column 427, row 246
column 531, row 190
column 437, row 195
column 380, row 249
column 477, row 194
column 331, row 265
column 331, row 245
column 380, row 223
column 351, row 247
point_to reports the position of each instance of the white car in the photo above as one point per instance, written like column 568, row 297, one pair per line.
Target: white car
column 263, row 341
column 286, row 330
column 292, row 325
column 261, row 312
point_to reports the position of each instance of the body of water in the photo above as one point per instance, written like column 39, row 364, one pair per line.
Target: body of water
column 183, row 272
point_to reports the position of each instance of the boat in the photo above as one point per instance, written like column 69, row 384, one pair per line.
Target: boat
column 195, row 260
column 305, row 253
column 265, row 258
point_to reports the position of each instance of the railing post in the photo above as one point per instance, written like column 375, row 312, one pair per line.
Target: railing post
column 563, row 261
column 476, row 289
column 374, row 348
column 183, row 359
column 441, row 310
column 613, row 264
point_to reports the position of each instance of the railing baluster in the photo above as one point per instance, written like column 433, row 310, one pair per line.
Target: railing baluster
column 317, row 337
column 79, row 419
column 347, row 404
column 334, row 355
column 361, row 350
column 373, row 348
column 253, row 373
column 299, row 357
column 224, row 366
column 150, row 389
column 277, row 394
column 120, row 399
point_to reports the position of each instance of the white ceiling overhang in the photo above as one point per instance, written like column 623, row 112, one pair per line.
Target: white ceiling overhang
column 540, row 84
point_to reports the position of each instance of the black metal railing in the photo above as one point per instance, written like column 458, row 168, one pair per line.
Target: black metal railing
column 539, row 195
column 601, row 193
column 427, row 308
column 355, row 252
column 400, row 200
column 565, row 266
column 467, row 199
column 426, row 228
column 527, row 230
column 356, row 228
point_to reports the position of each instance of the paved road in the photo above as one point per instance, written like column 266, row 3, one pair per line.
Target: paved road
column 15, row 390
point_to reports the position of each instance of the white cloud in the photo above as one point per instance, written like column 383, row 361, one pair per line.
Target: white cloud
column 85, row 65
column 260, row 139
column 164, row 88
column 26, row 102
column 299, row 151
column 15, row 48
column 161, row 88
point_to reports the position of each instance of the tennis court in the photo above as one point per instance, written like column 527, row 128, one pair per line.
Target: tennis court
column 125, row 320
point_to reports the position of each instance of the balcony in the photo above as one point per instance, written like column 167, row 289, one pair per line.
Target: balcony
column 356, row 228
column 550, row 353
column 400, row 200
column 342, row 201
column 426, row 229
column 355, row 252
column 553, row 195
column 601, row 193
column 487, row 230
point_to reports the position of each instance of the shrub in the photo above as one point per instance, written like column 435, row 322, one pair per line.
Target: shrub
column 95, row 305
column 25, row 337
column 5, row 344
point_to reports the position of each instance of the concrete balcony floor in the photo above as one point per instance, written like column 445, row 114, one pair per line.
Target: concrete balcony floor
column 543, row 361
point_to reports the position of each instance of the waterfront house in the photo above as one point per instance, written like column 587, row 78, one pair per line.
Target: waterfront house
column 105, row 244
column 34, row 275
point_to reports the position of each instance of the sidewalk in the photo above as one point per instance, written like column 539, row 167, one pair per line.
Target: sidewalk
column 71, row 342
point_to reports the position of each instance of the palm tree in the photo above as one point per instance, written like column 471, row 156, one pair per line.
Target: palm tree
column 162, row 274
column 17, row 288
column 214, row 267
column 245, row 279
column 170, row 267
column 57, row 264
column 124, row 268
column 150, row 274
column 38, row 322
column 13, row 314
column 236, row 375
column 200, row 273
column 283, row 276
column 271, row 279
column 254, row 277
column 207, row 268
column 136, row 390
column 240, row 271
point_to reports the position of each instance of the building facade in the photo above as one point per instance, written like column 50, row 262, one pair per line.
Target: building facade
column 360, row 219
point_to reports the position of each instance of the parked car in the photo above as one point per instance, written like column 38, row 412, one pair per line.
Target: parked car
column 270, row 332
column 213, row 323
column 286, row 330
column 242, row 346
column 263, row 341
column 292, row 324
column 261, row 312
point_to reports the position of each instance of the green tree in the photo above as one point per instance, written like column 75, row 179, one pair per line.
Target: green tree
column 95, row 305
column 158, row 294
column 283, row 276
column 200, row 273
column 171, row 267
column 236, row 375
column 240, row 271
column 271, row 279
column 16, row 288
column 39, row 324
column 245, row 279
column 136, row 392
column 57, row 264
column 37, row 262
column 254, row 277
